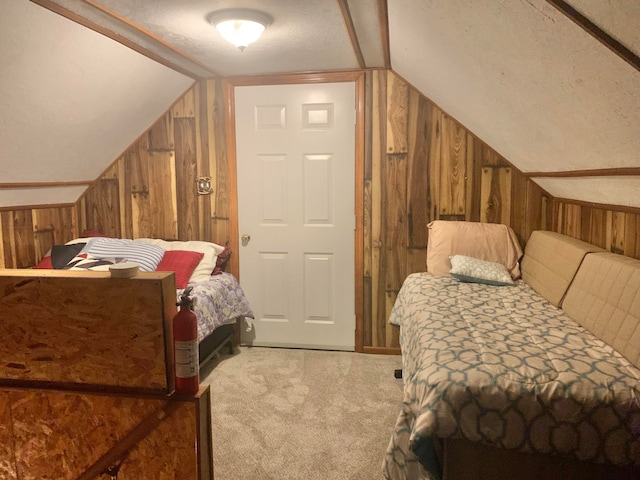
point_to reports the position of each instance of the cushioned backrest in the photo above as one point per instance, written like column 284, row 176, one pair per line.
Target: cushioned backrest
column 550, row 262
column 492, row 242
column 605, row 299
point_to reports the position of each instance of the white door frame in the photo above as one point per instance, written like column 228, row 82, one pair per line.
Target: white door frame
column 358, row 78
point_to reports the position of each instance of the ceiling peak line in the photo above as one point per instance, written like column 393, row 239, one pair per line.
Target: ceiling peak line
column 149, row 34
column 594, row 172
column 351, row 30
column 598, row 33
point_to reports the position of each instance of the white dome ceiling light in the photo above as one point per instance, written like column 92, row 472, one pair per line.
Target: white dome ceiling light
column 240, row 26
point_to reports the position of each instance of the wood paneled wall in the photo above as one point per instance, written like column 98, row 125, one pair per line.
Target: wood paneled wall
column 28, row 233
column 149, row 191
column 420, row 165
column 615, row 230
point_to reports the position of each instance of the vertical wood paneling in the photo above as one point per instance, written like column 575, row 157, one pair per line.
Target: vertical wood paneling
column 160, row 136
column 3, row 240
column 370, row 103
column 394, row 187
column 126, row 205
column 52, row 226
column 20, row 251
column 186, row 106
column 397, row 115
column 367, row 172
column 453, row 169
column 103, row 207
column 495, row 195
column 434, row 164
column 137, row 167
column 613, row 230
column 535, row 210
column 571, row 220
column 201, row 114
column 632, row 235
column 8, row 240
column 220, row 170
column 186, row 175
column 594, row 226
column 519, row 203
column 417, row 181
column 162, row 192
column 395, row 240
column 546, row 220
column 615, row 241
column 379, row 123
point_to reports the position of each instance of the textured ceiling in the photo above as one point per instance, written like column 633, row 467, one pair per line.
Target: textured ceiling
column 305, row 35
column 530, row 83
column 619, row 18
column 519, row 74
column 71, row 101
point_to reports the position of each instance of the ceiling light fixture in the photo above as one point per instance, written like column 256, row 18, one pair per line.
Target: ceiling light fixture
column 240, row 26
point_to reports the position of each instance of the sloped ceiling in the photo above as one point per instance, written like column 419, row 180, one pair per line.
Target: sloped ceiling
column 520, row 74
column 71, row 101
column 532, row 84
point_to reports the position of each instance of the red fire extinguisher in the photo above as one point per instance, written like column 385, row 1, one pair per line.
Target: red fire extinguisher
column 185, row 339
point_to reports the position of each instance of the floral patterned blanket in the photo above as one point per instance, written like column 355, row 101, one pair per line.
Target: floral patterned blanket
column 219, row 301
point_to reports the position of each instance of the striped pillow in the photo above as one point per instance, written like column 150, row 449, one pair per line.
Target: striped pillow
column 146, row 255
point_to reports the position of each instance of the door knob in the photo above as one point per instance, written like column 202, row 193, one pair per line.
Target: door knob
column 245, row 239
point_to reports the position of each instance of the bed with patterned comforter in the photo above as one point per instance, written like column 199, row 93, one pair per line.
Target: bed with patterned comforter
column 502, row 366
column 219, row 301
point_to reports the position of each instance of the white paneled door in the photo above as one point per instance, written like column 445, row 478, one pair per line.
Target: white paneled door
column 296, row 177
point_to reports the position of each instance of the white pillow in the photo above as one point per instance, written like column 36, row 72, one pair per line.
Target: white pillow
column 470, row 269
column 204, row 269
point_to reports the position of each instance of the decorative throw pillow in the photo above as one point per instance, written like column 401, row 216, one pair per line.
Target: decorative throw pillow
column 222, row 260
column 205, row 268
column 470, row 269
column 45, row 263
column 88, row 262
column 486, row 241
column 182, row 262
column 61, row 255
column 146, row 255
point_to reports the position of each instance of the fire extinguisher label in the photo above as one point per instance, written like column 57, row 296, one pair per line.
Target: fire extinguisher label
column 186, row 358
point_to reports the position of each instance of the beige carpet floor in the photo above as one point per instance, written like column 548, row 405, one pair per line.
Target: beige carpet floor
column 291, row 414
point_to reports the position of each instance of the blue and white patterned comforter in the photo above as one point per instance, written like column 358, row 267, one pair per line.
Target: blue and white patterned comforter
column 219, row 301
column 501, row 366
